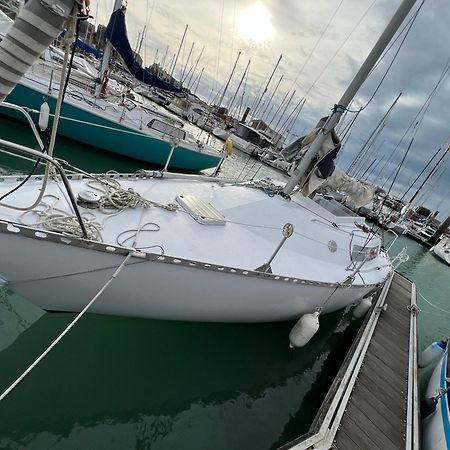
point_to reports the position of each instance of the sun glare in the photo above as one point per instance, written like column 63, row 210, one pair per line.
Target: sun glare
column 254, row 23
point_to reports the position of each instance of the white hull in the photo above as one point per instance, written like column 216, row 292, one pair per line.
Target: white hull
column 399, row 228
column 436, row 427
column 442, row 250
column 242, row 145
column 279, row 164
column 207, row 272
column 152, row 289
column 221, row 133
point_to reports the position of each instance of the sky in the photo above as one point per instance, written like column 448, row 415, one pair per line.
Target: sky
column 322, row 44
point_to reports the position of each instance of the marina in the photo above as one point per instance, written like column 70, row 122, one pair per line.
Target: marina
column 96, row 345
column 163, row 288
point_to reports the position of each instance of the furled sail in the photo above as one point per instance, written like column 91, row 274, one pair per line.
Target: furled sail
column 38, row 23
column 116, row 33
column 323, row 166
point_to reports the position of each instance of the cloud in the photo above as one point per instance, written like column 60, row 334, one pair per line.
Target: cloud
column 299, row 26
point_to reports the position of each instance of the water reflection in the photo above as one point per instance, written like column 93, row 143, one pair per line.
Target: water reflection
column 16, row 315
column 125, row 383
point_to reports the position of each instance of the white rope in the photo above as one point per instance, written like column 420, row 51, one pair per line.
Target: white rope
column 60, row 221
column 434, row 306
column 115, row 198
column 66, row 330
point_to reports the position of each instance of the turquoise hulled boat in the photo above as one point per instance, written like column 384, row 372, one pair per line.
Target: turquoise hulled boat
column 127, row 129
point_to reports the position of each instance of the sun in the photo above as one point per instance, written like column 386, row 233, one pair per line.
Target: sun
column 254, row 24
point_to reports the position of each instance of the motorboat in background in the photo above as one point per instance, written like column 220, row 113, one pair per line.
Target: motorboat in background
column 442, row 249
column 248, row 140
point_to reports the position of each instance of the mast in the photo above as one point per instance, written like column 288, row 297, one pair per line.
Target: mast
column 163, row 61
column 187, row 61
column 294, row 119
column 188, row 83
column 143, row 35
column 284, row 109
column 102, row 74
column 179, row 49
column 365, row 148
column 432, row 173
column 279, row 107
column 269, row 102
column 229, row 79
column 351, row 91
column 198, row 81
column 239, row 87
column 267, row 85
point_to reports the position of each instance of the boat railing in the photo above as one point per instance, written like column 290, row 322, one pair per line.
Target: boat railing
column 29, row 120
column 41, row 155
column 393, row 241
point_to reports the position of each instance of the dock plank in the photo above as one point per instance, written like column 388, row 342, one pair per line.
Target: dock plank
column 375, row 416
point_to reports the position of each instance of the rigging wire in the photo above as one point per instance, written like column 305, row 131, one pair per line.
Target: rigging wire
column 414, row 17
column 420, row 174
column 421, row 113
column 333, row 15
column 340, row 47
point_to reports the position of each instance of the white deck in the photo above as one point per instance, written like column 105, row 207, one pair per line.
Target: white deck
column 248, row 239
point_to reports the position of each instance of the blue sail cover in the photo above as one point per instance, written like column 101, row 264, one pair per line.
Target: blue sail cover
column 116, row 33
column 88, row 49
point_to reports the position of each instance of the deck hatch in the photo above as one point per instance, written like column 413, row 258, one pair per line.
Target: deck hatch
column 203, row 212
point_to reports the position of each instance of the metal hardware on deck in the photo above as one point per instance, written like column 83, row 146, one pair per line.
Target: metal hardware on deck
column 288, row 230
column 61, row 172
column 200, row 210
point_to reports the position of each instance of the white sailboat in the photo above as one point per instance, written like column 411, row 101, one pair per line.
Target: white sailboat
column 189, row 247
column 115, row 124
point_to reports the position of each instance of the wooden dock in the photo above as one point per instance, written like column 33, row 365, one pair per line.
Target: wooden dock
column 373, row 402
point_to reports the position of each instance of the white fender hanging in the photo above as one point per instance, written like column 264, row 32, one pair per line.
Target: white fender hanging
column 44, row 115
column 360, row 310
column 304, row 330
column 431, row 353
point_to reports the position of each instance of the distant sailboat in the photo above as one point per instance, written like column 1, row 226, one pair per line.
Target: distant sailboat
column 122, row 127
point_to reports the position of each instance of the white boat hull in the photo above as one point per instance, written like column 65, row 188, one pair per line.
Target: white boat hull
column 207, row 272
column 442, row 250
column 436, row 427
column 69, row 276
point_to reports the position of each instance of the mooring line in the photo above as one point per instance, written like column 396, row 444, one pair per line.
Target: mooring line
column 74, row 321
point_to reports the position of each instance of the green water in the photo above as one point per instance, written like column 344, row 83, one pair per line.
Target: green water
column 121, row 383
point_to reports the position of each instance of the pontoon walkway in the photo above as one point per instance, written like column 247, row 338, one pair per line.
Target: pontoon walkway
column 373, row 402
